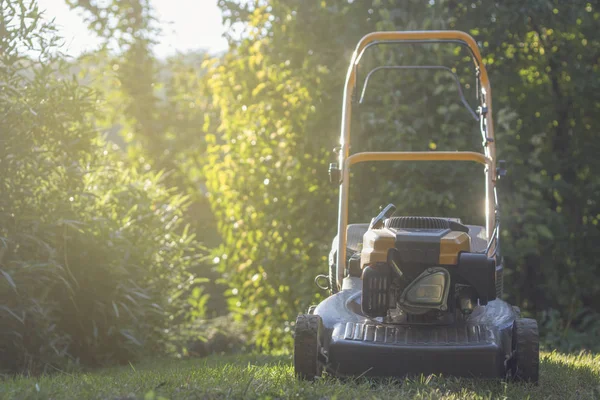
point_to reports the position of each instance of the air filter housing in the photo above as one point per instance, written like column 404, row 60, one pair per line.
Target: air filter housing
column 425, row 223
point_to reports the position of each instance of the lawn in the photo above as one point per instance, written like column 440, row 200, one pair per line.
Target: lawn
column 270, row 377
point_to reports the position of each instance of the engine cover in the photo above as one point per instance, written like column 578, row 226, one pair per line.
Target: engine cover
column 439, row 245
column 405, row 264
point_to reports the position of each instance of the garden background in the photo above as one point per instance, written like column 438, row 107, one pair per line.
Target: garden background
column 181, row 206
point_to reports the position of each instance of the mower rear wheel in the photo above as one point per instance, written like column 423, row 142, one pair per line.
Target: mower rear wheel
column 526, row 351
column 307, row 346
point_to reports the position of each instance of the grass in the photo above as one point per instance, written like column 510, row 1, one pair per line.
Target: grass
column 271, row 377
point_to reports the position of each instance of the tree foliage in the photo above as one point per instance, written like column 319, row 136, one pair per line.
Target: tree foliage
column 155, row 108
column 259, row 166
column 544, row 63
column 284, row 74
column 92, row 255
column 278, row 95
column 254, row 130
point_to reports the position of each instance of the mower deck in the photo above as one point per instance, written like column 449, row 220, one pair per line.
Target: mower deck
column 468, row 351
column 356, row 345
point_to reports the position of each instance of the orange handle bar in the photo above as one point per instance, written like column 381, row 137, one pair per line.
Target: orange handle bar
column 393, row 36
column 418, row 156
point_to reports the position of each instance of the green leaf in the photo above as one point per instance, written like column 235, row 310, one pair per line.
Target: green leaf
column 545, row 232
column 9, row 279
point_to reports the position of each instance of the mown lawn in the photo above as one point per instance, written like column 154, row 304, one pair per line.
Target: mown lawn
column 271, row 377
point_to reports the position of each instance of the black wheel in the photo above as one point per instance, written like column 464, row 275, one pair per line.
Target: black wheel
column 307, row 346
column 525, row 363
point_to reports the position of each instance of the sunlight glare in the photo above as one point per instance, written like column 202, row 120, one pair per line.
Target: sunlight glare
column 186, row 24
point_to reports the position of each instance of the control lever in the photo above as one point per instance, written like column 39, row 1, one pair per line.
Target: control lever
column 377, row 222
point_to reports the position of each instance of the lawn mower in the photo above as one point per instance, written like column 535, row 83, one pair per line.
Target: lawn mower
column 412, row 295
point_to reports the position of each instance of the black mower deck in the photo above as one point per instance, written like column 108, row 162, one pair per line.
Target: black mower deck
column 469, row 350
column 356, row 345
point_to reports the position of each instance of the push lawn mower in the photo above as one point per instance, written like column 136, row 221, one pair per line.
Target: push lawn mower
column 417, row 295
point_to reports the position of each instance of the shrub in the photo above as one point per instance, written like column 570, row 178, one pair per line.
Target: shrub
column 93, row 254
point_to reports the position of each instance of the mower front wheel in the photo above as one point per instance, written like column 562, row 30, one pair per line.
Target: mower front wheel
column 307, row 347
column 526, row 351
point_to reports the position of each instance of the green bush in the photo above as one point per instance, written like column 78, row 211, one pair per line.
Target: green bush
column 257, row 176
column 278, row 91
column 93, row 254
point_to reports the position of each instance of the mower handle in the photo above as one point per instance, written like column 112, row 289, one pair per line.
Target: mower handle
column 422, row 37
column 461, row 95
column 486, row 122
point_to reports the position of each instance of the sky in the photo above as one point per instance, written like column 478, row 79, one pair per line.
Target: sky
column 186, row 25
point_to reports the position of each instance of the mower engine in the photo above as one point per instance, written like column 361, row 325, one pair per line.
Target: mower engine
column 421, row 269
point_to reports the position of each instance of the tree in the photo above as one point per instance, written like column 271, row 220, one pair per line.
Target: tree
column 278, row 95
column 93, row 254
column 544, row 117
column 543, row 58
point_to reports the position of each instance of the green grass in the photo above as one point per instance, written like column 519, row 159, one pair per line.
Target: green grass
column 271, row 377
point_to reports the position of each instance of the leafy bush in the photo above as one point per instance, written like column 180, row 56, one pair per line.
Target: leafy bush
column 93, row 254
column 558, row 333
column 256, row 174
column 201, row 337
column 267, row 169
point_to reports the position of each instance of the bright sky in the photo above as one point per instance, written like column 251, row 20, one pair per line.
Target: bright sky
column 186, row 25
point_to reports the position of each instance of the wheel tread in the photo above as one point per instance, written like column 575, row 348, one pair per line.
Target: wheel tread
column 307, row 346
column 526, row 350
